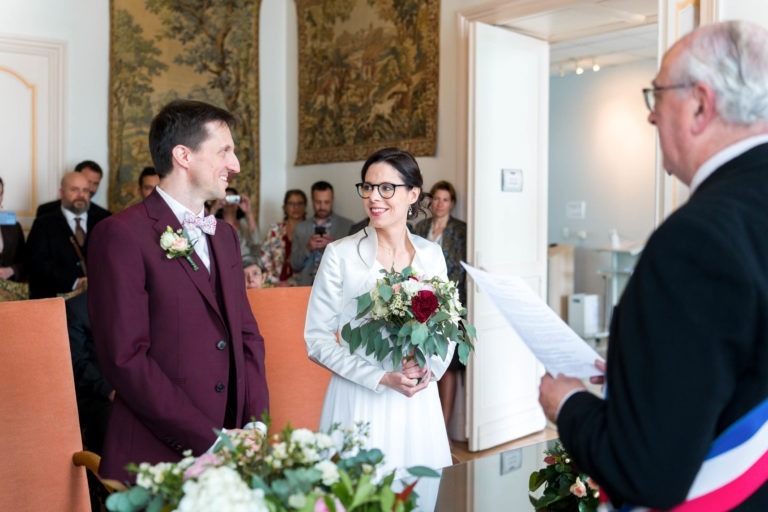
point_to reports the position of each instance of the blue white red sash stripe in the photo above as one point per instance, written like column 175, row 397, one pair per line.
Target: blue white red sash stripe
column 735, row 467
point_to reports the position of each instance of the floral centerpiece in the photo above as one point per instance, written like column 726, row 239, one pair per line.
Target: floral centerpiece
column 297, row 470
column 565, row 486
column 407, row 315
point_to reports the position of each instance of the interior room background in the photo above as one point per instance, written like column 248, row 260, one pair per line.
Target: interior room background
column 589, row 163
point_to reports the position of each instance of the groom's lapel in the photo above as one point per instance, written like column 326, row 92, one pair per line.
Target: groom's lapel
column 163, row 216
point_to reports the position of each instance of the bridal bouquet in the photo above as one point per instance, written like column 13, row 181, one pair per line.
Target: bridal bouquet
column 298, row 470
column 406, row 315
column 566, row 488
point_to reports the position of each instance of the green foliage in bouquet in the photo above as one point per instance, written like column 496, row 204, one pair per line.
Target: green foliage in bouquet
column 297, row 470
column 405, row 314
column 565, row 487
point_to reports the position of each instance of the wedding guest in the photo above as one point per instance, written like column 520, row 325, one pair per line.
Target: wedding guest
column 175, row 336
column 450, row 234
column 58, row 241
column 11, row 246
column 254, row 274
column 312, row 236
column 148, row 180
column 236, row 211
column 686, row 411
column 277, row 246
column 93, row 174
column 401, row 404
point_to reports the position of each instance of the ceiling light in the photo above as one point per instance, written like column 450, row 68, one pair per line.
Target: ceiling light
column 595, row 66
column 579, row 69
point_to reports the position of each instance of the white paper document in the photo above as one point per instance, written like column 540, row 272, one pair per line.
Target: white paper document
column 550, row 339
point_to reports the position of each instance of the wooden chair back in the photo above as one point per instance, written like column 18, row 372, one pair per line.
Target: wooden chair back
column 296, row 384
column 39, row 428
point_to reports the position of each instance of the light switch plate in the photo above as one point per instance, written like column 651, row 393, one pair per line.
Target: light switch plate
column 511, row 180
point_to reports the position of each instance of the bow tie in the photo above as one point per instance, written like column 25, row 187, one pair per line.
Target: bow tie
column 206, row 224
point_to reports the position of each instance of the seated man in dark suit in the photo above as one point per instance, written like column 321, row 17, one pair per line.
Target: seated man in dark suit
column 94, row 393
column 93, row 173
column 57, row 243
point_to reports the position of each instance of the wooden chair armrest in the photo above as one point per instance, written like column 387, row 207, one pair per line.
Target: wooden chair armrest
column 91, row 462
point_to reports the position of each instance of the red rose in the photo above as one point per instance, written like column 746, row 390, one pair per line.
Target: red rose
column 549, row 460
column 424, row 305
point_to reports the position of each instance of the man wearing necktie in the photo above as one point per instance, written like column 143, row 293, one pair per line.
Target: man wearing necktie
column 58, row 241
column 174, row 333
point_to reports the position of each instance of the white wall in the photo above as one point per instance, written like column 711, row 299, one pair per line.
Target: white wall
column 602, row 152
column 84, row 26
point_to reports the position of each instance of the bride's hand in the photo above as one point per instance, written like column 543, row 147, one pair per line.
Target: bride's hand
column 412, row 370
column 404, row 384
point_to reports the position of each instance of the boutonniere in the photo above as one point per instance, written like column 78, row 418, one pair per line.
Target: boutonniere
column 176, row 244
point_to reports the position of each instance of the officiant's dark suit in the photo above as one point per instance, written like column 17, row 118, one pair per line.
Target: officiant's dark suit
column 180, row 347
column 52, row 262
column 688, row 346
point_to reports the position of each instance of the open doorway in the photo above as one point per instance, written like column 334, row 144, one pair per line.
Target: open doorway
column 553, row 23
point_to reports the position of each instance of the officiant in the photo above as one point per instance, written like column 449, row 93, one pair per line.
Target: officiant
column 685, row 420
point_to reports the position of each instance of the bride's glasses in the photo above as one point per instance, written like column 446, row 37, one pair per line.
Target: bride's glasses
column 386, row 190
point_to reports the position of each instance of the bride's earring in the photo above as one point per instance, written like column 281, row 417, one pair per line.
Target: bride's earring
column 410, row 210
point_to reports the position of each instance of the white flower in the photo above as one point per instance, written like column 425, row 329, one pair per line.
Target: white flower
column 167, row 239
column 279, row 451
column 329, row 471
column 297, row 500
column 411, row 287
column 220, row 489
column 302, row 436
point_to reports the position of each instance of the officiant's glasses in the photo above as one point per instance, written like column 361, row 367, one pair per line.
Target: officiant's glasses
column 649, row 93
column 386, row 190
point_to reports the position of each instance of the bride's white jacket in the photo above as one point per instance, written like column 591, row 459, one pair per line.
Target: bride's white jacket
column 349, row 269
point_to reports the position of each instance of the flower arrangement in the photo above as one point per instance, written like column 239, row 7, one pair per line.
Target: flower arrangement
column 565, row 487
column 297, row 470
column 406, row 315
column 177, row 245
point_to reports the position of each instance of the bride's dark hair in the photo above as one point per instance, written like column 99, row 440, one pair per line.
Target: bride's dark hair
column 406, row 167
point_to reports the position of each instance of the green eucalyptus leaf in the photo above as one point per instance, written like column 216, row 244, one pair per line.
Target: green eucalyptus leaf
column 385, row 292
column 346, row 333
column 364, row 303
column 423, row 471
column 419, row 334
column 138, row 497
column 440, row 316
column 463, row 353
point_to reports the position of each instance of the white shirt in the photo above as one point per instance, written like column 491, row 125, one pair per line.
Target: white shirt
column 71, row 219
column 726, row 155
column 195, row 234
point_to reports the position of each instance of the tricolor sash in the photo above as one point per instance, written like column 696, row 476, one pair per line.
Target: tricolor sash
column 735, row 467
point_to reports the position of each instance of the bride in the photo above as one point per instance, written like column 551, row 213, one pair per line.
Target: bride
column 401, row 404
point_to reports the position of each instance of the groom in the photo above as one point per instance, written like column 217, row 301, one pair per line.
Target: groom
column 174, row 333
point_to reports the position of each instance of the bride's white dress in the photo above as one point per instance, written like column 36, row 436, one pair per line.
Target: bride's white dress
column 410, row 431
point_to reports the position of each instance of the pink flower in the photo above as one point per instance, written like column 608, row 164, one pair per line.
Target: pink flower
column 592, row 484
column 424, row 305
column 549, row 460
column 180, row 244
column 203, row 462
column 578, row 488
column 320, row 505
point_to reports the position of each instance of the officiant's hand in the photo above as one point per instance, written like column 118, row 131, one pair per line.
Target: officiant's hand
column 554, row 391
column 404, row 384
column 599, row 379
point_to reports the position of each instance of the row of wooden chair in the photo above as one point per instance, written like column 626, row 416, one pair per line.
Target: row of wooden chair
column 43, row 466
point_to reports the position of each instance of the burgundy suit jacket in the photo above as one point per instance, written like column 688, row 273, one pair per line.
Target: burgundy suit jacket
column 163, row 341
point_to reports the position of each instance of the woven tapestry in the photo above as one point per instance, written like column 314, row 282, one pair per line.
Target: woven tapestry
column 163, row 50
column 368, row 77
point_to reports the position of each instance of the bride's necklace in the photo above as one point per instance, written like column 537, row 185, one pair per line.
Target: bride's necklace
column 391, row 256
